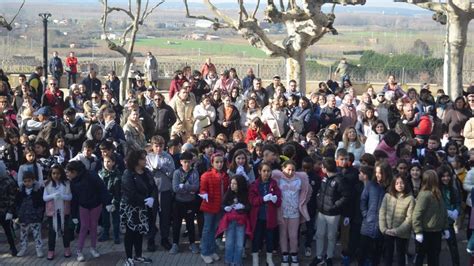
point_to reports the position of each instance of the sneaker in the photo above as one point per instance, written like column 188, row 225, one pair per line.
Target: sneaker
column 67, row 252
column 207, row 259
column 39, row 253
column 94, row 253
column 50, row 255
column 329, row 262
column 194, row 248
column 285, row 260
column 21, row 253
column 469, row 251
column 143, row 260
column 317, row 261
column 129, row 262
column 174, row 249
column 294, row 261
column 307, row 252
column 215, row 257
column 80, row 257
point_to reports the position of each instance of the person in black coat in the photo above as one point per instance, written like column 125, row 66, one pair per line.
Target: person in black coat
column 74, row 131
column 89, row 193
column 92, row 83
column 13, row 152
column 138, row 198
column 164, row 117
column 199, row 86
column 56, row 67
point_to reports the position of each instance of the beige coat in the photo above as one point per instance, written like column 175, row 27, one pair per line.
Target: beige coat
column 396, row 213
column 184, row 115
column 468, row 133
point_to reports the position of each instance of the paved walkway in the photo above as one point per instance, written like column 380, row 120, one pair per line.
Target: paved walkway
column 113, row 255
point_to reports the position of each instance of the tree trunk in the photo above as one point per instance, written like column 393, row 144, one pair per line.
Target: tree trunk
column 296, row 69
column 124, row 84
column 455, row 46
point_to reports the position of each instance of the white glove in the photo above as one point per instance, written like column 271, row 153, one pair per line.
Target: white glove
column 239, row 206
column 446, row 234
column 267, row 197
column 204, row 197
column 149, row 202
column 227, row 208
column 57, row 196
column 8, row 216
column 240, row 170
column 346, row 221
column 405, row 121
column 110, row 208
column 454, row 214
column 75, row 221
column 181, row 186
column 274, row 198
column 419, row 238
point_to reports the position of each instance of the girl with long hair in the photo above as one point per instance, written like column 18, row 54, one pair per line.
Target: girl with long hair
column 351, row 142
column 395, row 219
column 57, row 195
column 241, row 166
column 430, row 220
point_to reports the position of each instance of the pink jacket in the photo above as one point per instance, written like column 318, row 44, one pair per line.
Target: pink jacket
column 305, row 194
column 390, row 151
column 240, row 218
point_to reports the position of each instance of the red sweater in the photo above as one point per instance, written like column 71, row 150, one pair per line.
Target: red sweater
column 72, row 63
column 215, row 184
column 252, row 134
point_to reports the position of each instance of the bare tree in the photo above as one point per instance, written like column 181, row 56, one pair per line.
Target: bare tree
column 8, row 25
column 137, row 13
column 456, row 14
column 305, row 24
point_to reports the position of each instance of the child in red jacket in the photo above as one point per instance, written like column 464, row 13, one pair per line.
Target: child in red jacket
column 235, row 221
column 265, row 198
column 214, row 184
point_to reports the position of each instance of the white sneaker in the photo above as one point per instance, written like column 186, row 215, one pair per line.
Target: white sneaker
column 21, row 253
column 94, row 253
column 129, row 262
column 307, row 252
column 39, row 253
column 207, row 259
column 215, row 257
column 80, row 257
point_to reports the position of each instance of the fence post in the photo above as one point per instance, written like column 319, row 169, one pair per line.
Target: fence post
column 330, row 72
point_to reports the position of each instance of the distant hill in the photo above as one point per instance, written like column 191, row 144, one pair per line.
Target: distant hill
column 373, row 6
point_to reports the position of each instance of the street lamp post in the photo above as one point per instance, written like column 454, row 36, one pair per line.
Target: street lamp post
column 45, row 17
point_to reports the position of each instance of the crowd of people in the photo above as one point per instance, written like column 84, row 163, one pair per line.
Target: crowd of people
column 257, row 168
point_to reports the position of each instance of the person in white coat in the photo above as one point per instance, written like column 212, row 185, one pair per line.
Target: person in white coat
column 276, row 119
column 204, row 116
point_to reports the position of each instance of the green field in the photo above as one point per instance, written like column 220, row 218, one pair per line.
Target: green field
column 219, row 47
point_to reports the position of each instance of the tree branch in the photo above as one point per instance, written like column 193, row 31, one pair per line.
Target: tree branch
column 8, row 25
column 436, row 7
column 146, row 14
column 216, row 24
column 256, row 9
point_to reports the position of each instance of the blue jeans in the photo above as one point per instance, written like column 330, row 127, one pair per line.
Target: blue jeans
column 234, row 243
column 208, row 240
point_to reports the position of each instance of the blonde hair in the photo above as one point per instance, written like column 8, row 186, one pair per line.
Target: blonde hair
column 345, row 138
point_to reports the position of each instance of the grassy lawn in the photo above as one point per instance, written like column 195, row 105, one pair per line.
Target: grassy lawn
column 219, row 47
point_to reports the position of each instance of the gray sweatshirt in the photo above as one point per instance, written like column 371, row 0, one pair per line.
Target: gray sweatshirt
column 162, row 167
column 190, row 180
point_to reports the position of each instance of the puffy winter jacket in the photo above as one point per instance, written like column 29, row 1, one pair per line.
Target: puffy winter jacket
column 395, row 213
column 370, row 202
column 214, row 184
column 333, row 196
